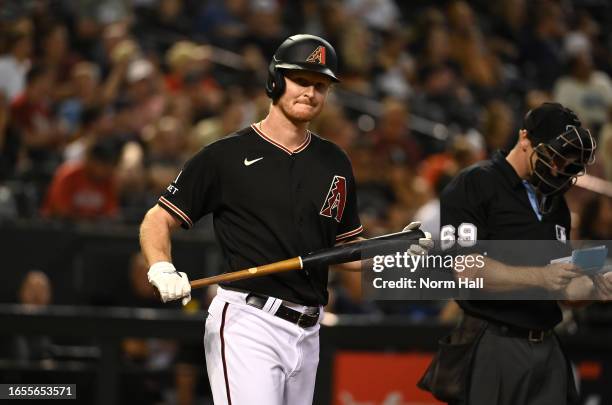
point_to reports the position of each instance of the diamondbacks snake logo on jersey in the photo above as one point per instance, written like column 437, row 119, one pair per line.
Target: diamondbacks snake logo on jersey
column 335, row 199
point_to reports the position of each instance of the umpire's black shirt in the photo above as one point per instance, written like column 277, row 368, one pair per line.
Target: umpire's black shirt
column 491, row 199
column 270, row 204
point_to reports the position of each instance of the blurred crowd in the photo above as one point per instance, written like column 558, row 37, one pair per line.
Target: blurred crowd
column 102, row 101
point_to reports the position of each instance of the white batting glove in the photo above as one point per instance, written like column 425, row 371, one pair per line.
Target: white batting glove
column 171, row 284
column 425, row 244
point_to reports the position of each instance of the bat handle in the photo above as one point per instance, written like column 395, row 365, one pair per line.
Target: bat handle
column 294, row 263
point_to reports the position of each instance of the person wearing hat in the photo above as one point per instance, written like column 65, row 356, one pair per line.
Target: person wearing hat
column 276, row 190
column 504, row 351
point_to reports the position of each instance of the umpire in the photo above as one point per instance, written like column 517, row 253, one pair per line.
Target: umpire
column 505, row 352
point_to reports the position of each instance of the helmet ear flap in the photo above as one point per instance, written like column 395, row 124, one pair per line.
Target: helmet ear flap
column 270, row 82
column 275, row 85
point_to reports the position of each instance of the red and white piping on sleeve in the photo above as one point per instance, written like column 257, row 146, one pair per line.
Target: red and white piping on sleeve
column 354, row 232
column 176, row 210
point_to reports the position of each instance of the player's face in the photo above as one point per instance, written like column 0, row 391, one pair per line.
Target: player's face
column 304, row 95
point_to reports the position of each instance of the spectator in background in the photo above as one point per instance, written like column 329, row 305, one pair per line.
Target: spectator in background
column 223, row 22
column 40, row 132
column 586, row 25
column 116, row 45
column 231, row 118
column 444, row 98
column 168, row 142
column 379, row 15
column 498, row 125
column 429, row 20
column 332, row 124
column 392, row 140
column 508, row 27
column 35, row 292
column 187, row 65
column 85, row 190
column 394, row 67
column 85, row 81
column 15, row 64
column 56, row 55
column 35, row 289
column 468, row 48
column 265, row 26
column 133, row 183
column 585, row 90
column 436, row 48
column 541, row 52
column 94, row 124
column 189, row 76
column 160, row 26
column 144, row 101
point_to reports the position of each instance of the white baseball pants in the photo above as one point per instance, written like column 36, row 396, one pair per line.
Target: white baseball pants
column 254, row 357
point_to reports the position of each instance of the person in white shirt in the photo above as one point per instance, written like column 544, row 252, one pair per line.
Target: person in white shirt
column 15, row 64
column 585, row 90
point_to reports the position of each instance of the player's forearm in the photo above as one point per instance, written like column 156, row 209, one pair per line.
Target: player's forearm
column 155, row 232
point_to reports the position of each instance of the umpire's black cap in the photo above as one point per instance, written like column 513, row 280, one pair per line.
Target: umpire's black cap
column 548, row 121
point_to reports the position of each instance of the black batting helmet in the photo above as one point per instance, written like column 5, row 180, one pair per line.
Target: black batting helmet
column 300, row 52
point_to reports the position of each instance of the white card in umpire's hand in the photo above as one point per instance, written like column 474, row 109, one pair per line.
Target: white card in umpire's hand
column 567, row 259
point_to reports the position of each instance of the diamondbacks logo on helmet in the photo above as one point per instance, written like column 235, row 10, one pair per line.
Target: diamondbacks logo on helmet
column 333, row 206
column 317, row 56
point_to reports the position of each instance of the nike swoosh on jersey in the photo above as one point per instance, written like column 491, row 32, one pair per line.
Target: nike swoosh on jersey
column 250, row 162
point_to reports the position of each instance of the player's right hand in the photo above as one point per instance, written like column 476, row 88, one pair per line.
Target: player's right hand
column 556, row 276
column 171, row 284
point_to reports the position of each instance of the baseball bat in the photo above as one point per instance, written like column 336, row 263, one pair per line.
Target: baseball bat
column 381, row 245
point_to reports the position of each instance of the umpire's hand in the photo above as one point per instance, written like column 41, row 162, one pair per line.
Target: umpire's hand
column 425, row 244
column 556, row 276
column 171, row 284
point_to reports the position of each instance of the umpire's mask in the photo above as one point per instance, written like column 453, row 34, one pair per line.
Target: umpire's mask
column 557, row 160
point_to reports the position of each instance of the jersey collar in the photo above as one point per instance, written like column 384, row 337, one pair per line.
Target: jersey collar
column 499, row 159
column 280, row 146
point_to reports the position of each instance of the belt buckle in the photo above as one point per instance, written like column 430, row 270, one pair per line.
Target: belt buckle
column 304, row 318
column 301, row 318
column 536, row 336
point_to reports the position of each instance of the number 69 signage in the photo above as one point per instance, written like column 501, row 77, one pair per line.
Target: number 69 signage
column 465, row 235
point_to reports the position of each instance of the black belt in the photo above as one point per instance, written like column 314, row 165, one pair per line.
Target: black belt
column 284, row 312
column 532, row 335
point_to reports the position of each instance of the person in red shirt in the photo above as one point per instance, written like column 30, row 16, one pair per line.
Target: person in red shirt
column 85, row 190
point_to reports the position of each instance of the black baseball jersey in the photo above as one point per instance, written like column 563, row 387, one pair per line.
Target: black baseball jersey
column 270, row 204
column 488, row 201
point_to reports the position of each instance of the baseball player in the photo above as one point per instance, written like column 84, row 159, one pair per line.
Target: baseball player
column 505, row 352
column 276, row 191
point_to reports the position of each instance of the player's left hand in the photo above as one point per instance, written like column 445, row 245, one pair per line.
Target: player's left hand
column 603, row 286
column 425, row 244
column 171, row 284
